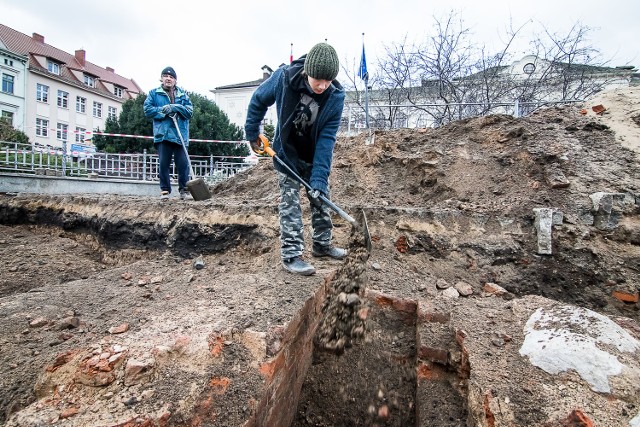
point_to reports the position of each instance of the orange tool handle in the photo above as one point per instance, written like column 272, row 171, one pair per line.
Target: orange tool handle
column 264, row 147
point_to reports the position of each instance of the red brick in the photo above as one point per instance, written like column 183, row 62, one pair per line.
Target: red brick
column 219, row 385
column 577, row 419
column 428, row 313
column 488, row 413
column 427, row 371
column 270, row 368
column 626, row 296
column 436, row 355
column 69, row 412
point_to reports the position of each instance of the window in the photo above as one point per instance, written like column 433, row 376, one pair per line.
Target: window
column 61, row 134
column 7, row 117
column 42, row 127
column 8, row 62
column 80, row 133
column 89, row 81
column 42, row 93
column 97, row 109
column 529, row 68
column 63, row 99
column 81, row 104
column 53, row 67
column 7, row 83
column 117, row 91
column 112, row 113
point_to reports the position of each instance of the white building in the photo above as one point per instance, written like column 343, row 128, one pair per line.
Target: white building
column 63, row 96
column 13, row 71
column 234, row 99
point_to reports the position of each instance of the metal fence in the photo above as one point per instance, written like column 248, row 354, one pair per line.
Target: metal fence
column 356, row 118
column 29, row 159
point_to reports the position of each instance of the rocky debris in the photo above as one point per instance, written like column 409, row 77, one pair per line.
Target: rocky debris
column 607, row 209
column 545, row 220
column 344, row 313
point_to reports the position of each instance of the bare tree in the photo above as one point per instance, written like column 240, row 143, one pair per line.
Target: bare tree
column 447, row 77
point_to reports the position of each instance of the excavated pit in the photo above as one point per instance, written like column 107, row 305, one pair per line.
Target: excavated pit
column 373, row 381
column 403, row 370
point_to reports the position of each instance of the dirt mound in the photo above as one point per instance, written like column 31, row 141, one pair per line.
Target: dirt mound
column 495, row 164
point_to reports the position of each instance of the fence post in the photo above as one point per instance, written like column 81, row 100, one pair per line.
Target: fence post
column 64, row 158
column 516, row 108
column 144, row 164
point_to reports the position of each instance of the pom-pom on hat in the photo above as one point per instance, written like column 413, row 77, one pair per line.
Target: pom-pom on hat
column 170, row 71
column 322, row 62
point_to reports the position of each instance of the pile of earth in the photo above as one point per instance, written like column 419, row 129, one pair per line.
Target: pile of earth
column 482, row 171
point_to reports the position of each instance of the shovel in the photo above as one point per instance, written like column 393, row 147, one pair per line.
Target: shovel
column 360, row 226
column 197, row 187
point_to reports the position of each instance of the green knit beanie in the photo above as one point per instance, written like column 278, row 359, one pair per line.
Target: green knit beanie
column 322, row 62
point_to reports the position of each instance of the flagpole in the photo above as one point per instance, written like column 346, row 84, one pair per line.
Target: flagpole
column 366, row 91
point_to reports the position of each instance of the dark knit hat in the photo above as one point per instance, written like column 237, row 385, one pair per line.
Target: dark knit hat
column 322, row 62
column 170, row 71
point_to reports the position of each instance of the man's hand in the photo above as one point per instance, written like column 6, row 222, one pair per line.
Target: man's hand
column 256, row 146
column 315, row 194
column 166, row 109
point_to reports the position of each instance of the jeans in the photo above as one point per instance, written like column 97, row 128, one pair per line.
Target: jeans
column 167, row 150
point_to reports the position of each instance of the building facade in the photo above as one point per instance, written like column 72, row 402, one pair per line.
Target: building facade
column 13, row 72
column 234, row 99
column 64, row 95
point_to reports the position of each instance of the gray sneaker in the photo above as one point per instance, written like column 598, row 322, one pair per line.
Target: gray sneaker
column 183, row 194
column 298, row 266
column 330, row 251
column 164, row 195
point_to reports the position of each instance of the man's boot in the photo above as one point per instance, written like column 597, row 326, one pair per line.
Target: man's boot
column 328, row 250
column 298, row 266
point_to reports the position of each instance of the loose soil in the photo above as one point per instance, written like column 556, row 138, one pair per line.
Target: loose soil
column 445, row 206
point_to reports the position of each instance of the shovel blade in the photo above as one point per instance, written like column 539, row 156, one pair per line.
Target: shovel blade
column 360, row 237
column 199, row 189
column 362, row 219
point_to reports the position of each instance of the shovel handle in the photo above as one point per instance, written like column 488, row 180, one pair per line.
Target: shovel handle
column 264, row 148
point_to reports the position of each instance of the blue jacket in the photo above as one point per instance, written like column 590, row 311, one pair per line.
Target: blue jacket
column 276, row 89
column 163, row 127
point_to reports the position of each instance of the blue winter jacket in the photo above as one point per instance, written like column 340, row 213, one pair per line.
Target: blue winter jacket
column 163, row 127
column 274, row 90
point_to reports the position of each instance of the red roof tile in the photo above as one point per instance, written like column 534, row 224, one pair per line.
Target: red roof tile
column 22, row 44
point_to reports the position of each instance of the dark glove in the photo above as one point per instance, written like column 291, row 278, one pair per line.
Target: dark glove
column 166, row 109
column 256, row 146
column 315, row 194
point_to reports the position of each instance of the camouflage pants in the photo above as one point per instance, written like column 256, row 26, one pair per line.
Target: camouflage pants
column 290, row 210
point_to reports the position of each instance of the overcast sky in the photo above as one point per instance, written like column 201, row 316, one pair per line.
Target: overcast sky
column 212, row 45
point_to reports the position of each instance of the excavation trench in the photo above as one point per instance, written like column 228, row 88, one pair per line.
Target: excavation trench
column 376, row 380
column 238, row 342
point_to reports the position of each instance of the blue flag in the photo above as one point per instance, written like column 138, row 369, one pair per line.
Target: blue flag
column 362, row 72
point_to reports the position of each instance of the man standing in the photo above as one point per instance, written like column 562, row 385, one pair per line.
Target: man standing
column 309, row 106
column 162, row 103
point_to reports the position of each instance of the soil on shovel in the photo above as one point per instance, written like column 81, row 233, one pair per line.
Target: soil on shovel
column 127, row 311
